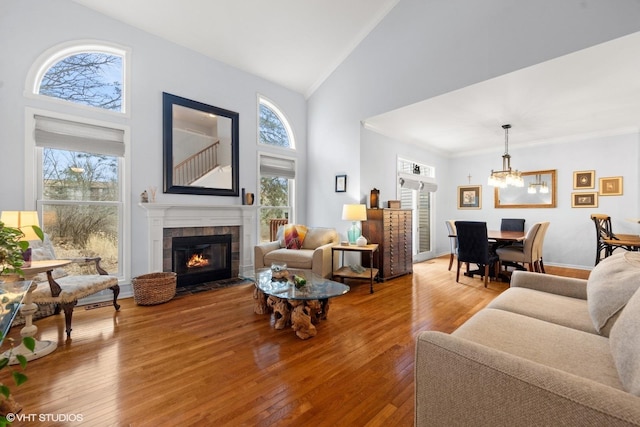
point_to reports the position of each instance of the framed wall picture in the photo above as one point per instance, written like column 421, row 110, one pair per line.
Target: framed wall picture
column 341, row 183
column 583, row 180
column 470, row 197
column 584, row 200
column 611, row 186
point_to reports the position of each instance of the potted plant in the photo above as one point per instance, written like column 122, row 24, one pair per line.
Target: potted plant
column 11, row 259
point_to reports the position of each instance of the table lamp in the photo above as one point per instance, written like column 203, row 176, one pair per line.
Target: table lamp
column 23, row 221
column 354, row 213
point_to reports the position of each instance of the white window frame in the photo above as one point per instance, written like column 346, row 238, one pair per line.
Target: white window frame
column 33, row 181
column 283, row 119
column 292, row 187
column 56, row 53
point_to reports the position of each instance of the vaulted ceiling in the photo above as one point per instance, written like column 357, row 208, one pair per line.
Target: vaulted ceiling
column 297, row 44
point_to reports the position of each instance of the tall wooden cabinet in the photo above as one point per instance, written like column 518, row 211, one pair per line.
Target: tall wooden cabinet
column 391, row 229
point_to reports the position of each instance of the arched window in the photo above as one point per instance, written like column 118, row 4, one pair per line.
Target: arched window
column 84, row 74
column 274, row 128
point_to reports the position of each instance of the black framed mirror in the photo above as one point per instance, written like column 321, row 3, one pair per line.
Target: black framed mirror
column 201, row 147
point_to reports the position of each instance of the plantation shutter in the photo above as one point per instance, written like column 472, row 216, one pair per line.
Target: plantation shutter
column 75, row 136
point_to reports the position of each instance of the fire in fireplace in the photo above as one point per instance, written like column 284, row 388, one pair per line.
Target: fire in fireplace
column 201, row 259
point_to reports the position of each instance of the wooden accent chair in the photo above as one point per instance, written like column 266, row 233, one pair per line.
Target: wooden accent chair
column 607, row 241
column 473, row 247
column 274, row 223
column 64, row 291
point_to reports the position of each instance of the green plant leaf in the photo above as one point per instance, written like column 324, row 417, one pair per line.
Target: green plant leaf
column 4, row 362
column 19, row 377
column 30, row 343
column 22, row 360
column 38, row 232
column 4, row 390
column 3, row 421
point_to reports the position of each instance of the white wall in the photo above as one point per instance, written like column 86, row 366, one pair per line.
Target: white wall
column 29, row 27
column 427, row 48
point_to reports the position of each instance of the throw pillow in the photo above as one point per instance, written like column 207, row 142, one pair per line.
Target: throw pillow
column 625, row 343
column 294, row 236
column 611, row 283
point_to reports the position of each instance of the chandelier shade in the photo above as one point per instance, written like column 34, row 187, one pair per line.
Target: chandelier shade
column 507, row 176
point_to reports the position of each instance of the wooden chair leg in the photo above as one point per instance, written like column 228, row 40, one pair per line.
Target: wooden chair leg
column 541, row 266
column 486, row 275
column 450, row 261
column 458, row 272
column 116, row 292
column 68, row 315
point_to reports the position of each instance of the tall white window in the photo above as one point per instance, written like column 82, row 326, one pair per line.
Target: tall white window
column 277, row 172
column 79, row 168
column 79, row 188
column 277, row 185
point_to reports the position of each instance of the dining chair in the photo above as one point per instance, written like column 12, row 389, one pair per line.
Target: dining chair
column 521, row 255
column 453, row 240
column 538, row 263
column 607, row 241
column 473, row 247
column 512, row 224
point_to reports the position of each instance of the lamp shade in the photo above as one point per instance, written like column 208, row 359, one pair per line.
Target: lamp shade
column 22, row 220
column 354, row 212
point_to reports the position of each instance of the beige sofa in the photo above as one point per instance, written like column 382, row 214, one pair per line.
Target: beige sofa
column 314, row 255
column 548, row 351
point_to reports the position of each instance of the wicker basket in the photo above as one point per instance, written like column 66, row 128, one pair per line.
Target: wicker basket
column 154, row 288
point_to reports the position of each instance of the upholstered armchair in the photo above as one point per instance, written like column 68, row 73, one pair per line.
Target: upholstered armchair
column 313, row 253
column 63, row 290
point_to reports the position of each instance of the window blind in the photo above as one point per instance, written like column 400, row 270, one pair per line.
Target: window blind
column 75, row 136
column 277, row 166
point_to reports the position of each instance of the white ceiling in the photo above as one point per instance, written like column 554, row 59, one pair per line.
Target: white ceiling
column 589, row 93
column 294, row 43
column 297, row 44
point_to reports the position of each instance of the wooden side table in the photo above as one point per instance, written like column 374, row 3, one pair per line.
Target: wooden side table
column 345, row 272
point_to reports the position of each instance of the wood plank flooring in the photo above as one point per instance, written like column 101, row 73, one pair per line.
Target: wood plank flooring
column 208, row 360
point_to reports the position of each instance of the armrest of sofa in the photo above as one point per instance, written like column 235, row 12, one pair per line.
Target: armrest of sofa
column 566, row 286
column 459, row 382
column 259, row 251
column 321, row 263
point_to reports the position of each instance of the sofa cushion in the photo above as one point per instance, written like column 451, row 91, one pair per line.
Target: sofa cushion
column 625, row 345
column 302, row 258
column 611, row 283
column 576, row 352
column 558, row 309
column 294, row 235
column 318, row 236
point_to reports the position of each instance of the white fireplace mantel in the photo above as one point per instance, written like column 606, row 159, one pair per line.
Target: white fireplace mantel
column 161, row 216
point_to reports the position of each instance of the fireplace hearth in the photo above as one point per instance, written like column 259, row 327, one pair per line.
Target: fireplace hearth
column 201, row 259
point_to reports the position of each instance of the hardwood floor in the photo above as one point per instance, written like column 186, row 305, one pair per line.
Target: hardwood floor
column 207, row 359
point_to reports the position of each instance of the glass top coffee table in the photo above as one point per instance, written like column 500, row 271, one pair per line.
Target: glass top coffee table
column 300, row 306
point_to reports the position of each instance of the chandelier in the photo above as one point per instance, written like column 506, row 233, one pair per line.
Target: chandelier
column 506, row 176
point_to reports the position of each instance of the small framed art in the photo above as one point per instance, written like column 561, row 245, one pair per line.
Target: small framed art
column 584, row 200
column 341, row 183
column 470, row 197
column 583, row 180
column 611, row 186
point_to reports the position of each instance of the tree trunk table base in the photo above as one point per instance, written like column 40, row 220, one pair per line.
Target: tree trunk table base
column 300, row 315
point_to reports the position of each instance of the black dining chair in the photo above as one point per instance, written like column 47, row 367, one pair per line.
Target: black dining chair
column 512, row 224
column 473, row 247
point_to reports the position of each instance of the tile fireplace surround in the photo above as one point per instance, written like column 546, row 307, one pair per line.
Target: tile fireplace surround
column 161, row 216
